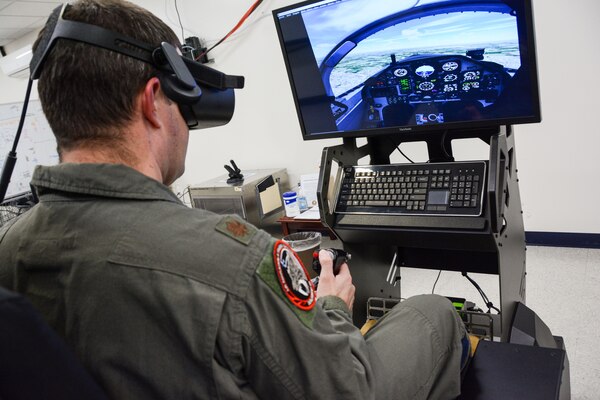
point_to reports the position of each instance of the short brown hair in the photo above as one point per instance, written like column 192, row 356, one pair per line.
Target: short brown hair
column 88, row 93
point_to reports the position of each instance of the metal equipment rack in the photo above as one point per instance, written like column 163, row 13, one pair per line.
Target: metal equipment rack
column 491, row 243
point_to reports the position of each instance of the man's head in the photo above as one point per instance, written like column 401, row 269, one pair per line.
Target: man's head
column 89, row 94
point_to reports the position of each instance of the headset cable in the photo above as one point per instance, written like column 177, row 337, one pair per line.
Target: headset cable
column 11, row 157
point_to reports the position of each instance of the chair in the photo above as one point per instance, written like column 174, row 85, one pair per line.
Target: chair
column 35, row 363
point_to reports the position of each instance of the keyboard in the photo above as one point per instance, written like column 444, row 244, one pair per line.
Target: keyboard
column 413, row 189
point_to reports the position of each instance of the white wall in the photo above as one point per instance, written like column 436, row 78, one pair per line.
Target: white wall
column 557, row 159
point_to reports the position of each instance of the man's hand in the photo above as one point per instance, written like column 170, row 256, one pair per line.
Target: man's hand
column 339, row 285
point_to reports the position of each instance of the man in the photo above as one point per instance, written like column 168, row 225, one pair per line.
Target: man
column 160, row 301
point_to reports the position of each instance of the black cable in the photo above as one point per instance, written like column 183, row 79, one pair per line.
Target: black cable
column 401, row 152
column 443, row 145
column 486, row 300
column 23, row 113
column 11, row 157
column 405, row 156
column 436, row 281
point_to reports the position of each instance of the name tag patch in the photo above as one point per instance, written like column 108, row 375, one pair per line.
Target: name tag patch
column 293, row 277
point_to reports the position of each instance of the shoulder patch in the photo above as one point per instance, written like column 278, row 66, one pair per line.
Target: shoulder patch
column 293, row 277
column 236, row 229
column 266, row 272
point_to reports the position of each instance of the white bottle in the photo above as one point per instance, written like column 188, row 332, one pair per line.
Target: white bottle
column 290, row 201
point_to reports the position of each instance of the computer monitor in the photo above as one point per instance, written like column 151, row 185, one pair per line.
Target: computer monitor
column 36, row 146
column 360, row 68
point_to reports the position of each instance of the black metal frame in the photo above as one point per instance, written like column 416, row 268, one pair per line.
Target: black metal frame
column 493, row 243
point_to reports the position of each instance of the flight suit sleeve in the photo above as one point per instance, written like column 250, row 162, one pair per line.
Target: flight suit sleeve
column 298, row 347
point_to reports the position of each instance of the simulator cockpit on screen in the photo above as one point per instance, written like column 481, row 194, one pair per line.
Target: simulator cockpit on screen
column 365, row 67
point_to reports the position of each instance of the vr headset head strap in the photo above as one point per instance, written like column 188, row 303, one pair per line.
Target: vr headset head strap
column 165, row 57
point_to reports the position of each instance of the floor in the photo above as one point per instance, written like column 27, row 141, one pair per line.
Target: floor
column 562, row 288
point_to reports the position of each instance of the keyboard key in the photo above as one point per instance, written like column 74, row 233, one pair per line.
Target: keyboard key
column 376, row 203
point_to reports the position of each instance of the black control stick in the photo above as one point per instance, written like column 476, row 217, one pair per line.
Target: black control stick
column 338, row 256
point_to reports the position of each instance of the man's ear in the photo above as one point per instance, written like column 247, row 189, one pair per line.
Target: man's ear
column 149, row 98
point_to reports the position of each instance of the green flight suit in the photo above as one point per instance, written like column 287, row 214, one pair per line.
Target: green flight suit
column 160, row 301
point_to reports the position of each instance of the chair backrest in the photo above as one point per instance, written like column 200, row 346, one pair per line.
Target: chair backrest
column 35, row 363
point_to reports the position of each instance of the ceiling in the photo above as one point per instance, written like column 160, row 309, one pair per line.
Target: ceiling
column 20, row 17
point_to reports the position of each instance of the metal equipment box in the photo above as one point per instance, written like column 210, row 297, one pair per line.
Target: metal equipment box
column 257, row 198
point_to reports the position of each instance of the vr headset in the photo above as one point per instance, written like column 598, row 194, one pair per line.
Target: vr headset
column 204, row 95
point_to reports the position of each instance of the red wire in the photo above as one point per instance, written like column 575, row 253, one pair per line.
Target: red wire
column 235, row 28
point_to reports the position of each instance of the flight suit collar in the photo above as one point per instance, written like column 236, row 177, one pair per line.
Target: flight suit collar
column 106, row 180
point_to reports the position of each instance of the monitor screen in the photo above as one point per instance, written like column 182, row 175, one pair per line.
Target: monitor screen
column 368, row 67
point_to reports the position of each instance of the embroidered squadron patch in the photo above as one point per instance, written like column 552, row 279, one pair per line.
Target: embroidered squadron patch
column 293, row 277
